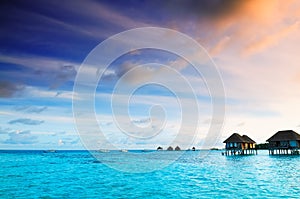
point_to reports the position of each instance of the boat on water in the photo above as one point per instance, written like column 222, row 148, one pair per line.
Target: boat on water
column 103, row 150
column 50, row 151
column 124, row 150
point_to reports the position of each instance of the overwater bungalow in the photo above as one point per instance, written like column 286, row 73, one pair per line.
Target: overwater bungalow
column 239, row 145
column 284, row 142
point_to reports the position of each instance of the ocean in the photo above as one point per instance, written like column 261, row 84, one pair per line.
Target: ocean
column 78, row 174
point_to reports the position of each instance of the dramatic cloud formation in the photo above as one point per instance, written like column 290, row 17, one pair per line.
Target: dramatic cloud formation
column 26, row 121
column 66, row 73
column 246, row 27
column 254, row 44
column 9, row 89
column 204, row 8
column 55, row 72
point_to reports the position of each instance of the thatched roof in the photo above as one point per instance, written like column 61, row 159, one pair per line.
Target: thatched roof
column 284, row 136
column 234, row 138
column 248, row 139
column 239, row 139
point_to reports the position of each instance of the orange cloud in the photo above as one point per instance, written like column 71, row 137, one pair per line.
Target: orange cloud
column 262, row 23
column 249, row 12
column 223, row 43
column 270, row 40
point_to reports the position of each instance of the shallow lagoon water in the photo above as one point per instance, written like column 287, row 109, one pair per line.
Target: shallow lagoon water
column 77, row 174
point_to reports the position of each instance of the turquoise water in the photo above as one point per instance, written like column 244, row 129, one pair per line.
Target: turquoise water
column 77, row 174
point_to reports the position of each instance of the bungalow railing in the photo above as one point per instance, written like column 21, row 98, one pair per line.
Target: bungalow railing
column 283, row 147
column 239, row 148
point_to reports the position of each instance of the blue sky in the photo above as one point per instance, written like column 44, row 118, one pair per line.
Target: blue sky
column 43, row 43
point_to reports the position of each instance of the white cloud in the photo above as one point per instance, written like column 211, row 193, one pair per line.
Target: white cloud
column 37, row 92
column 20, row 137
column 60, row 142
column 38, row 63
column 26, row 121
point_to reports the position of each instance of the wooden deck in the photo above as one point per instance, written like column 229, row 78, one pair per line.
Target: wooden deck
column 283, row 151
column 237, row 151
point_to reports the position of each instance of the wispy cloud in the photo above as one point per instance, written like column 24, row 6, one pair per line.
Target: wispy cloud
column 20, row 137
column 5, row 130
column 246, row 27
column 37, row 92
column 66, row 73
column 142, row 121
column 270, row 40
column 96, row 13
column 220, row 46
column 240, row 124
column 202, row 9
column 40, row 73
column 101, row 11
column 26, row 121
column 53, row 71
column 68, row 141
column 37, row 63
column 10, row 89
column 31, row 109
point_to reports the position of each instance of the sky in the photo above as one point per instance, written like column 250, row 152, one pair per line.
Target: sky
column 253, row 43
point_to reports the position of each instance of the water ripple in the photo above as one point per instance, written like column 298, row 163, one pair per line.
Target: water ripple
column 80, row 175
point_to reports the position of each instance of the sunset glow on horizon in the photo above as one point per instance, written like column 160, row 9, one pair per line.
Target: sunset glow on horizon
column 254, row 45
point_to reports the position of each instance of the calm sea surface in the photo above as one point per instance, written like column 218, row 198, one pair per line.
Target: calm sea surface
column 77, row 174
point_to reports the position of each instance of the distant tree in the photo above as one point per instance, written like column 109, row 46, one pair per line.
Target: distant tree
column 262, row 146
column 159, row 148
column 170, row 148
